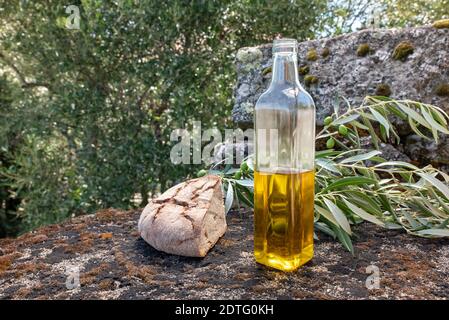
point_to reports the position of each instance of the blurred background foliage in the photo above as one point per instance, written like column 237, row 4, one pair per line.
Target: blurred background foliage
column 86, row 114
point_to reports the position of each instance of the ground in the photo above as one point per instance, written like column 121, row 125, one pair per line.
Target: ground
column 115, row 263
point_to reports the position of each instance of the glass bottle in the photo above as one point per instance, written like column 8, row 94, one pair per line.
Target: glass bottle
column 284, row 176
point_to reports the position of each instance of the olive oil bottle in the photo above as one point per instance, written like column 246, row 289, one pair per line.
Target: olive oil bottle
column 284, row 166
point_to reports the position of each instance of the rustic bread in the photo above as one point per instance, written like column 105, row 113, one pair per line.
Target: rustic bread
column 187, row 219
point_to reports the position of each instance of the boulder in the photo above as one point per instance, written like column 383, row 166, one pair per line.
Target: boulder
column 409, row 63
column 124, row 266
column 187, row 219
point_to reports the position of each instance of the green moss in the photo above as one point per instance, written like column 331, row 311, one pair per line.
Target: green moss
column 441, row 24
column 312, row 55
column 310, row 79
column 267, row 70
column 325, row 52
column 383, row 89
column 442, row 90
column 363, row 49
column 304, row 70
column 403, row 50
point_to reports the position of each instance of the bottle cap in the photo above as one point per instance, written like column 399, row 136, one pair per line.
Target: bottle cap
column 285, row 45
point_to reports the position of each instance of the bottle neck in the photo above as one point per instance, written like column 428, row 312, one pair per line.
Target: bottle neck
column 285, row 69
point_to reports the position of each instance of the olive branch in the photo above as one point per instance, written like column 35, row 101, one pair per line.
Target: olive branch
column 354, row 184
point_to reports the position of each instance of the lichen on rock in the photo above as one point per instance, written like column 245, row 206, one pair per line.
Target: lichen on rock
column 325, row 52
column 363, row 49
column 441, row 24
column 383, row 89
column 310, row 79
column 303, row 70
column 403, row 50
column 248, row 107
column 312, row 55
column 442, row 90
column 250, row 57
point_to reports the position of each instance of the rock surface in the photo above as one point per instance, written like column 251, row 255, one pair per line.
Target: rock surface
column 187, row 219
column 368, row 62
column 115, row 263
column 342, row 72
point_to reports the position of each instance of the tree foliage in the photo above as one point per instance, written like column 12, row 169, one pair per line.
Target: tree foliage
column 87, row 114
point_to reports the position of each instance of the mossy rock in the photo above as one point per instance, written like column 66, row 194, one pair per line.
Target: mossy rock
column 384, row 90
column 441, row 24
column 363, row 50
column 312, row 55
column 303, row 70
column 403, row 50
column 325, row 52
column 310, row 79
column 442, row 90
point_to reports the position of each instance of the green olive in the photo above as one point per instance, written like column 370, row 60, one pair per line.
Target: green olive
column 327, row 121
column 343, row 130
column 237, row 175
column 330, row 143
column 244, row 166
column 201, row 173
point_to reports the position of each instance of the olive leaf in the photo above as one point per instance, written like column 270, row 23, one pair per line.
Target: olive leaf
column 354, row 185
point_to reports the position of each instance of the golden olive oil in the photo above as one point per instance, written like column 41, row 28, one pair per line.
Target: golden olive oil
column 283, row 218
column 284, row 122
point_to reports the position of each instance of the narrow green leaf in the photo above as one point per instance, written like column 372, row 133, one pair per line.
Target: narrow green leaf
column 346, row 119
column 232, row 171
column 432, row 121
column 444, row 189
column 413, row 223
column 361, row 157
column 324, row 228
column 245, row 183
column 374, row 137
column 415, row 129
column 380, row 118
column 366, row 201
column 438, row 115
column 359, row 125
column 229, row 197
column 338, row 215
column 434, row 211
column 392, row 226
column 393, row 109
column 363, row 214
column 242, row 196
column 414, row 115
column 397, row 164
column 434, row 232
column 328, row 165
column 326, row 153
column 344, row 239
column 326, row 214
column 386, row 203
column 250, row 163
column 349, row 181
